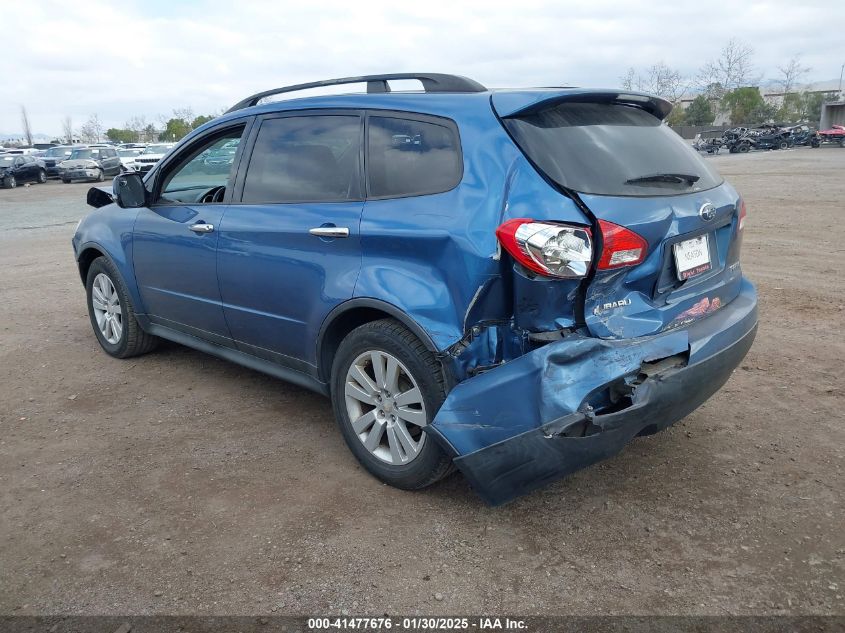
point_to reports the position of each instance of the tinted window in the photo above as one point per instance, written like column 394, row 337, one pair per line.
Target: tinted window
column 305, row 159
column 157, row 149
column 599, row 148
column 85, row 153
column 408, row 158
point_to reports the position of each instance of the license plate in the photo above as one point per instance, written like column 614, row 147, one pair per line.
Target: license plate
column 692, row 257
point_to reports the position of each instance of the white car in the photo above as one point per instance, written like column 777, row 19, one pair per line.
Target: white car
column 127, row 158
column 147, row 159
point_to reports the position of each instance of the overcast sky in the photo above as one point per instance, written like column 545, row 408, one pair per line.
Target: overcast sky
column 119, row 59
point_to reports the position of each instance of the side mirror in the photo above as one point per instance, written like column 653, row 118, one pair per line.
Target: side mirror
column 98, row 197
column 129, row 191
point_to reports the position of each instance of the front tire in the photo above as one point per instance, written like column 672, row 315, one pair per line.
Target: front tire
column 386, row 387
column 101, row 175
column 112, row 315
column 9, row 182
column 42, row 177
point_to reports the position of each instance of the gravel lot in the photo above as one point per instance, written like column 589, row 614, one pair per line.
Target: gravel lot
column 178, row 483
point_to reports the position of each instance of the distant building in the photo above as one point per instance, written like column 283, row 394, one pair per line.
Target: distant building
column 833, row 113
column 772, row 97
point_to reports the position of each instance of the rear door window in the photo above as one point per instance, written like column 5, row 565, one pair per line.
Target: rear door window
column 610, row 149
column 313, row 158
column 410, row 157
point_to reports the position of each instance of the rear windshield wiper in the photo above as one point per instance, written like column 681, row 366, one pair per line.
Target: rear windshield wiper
column 688, row 179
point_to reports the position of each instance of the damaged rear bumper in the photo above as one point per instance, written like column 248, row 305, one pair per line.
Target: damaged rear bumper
column 575, row 402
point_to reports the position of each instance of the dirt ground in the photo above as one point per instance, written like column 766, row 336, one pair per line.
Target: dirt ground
column 178, row 483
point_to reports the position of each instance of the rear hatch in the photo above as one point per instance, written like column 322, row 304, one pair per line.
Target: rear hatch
column 643, row 188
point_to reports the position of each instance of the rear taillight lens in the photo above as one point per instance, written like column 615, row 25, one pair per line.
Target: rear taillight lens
column 742, row 214
column 555, row 250
column 621, row 246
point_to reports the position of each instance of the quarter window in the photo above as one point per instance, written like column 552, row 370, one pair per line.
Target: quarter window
column 305, row 159
column 410, row 158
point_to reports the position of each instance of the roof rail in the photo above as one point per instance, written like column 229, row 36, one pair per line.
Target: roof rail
column 432, row 82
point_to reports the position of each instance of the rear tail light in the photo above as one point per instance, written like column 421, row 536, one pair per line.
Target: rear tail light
column 621, row 246
column 742, row 214
column 555, row 250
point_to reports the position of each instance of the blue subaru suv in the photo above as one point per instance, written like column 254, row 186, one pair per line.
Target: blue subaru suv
column 513, row 283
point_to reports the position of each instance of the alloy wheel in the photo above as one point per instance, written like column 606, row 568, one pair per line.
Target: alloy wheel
column 385, row 407
column 107, row 312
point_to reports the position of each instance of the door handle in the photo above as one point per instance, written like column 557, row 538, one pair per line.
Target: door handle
column 330, row 231
column 202, row 227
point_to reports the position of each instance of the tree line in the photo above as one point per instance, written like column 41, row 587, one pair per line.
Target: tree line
column 136, row 130
column 727, row 84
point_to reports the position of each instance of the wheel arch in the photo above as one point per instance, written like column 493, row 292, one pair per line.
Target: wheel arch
column 347, row 316
column 86, row 258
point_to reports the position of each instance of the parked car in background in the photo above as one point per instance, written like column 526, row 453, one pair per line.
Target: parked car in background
column 710, row 141
column 220, row 159
column 18, row 151
column 514, row 283
column 772, row 137
column 90, row 163
column 835, row 134
column 802, row 135
column 127, row 158
column 16, row 169
column 55, row 155
column 147, row 159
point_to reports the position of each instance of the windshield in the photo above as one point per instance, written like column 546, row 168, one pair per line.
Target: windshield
column 6, row 161
column 610, row 149
column 157, row 149
column 58, row 152
column 129, row 152
column 85, row 153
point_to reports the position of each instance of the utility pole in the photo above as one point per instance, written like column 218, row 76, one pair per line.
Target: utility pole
column 841, row 70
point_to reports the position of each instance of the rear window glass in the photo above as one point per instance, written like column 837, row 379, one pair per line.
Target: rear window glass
column 411, row 158
column 305, row 159
column 610, row 149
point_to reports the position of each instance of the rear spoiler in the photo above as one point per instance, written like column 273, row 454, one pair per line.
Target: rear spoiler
column 512, row 103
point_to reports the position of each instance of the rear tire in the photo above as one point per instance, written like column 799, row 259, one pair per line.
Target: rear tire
column 42, row 177
column 783, row 145
column 112, row 314
column 743, row 149
column 66, row 181
column 101, row 176
column 406, row 389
